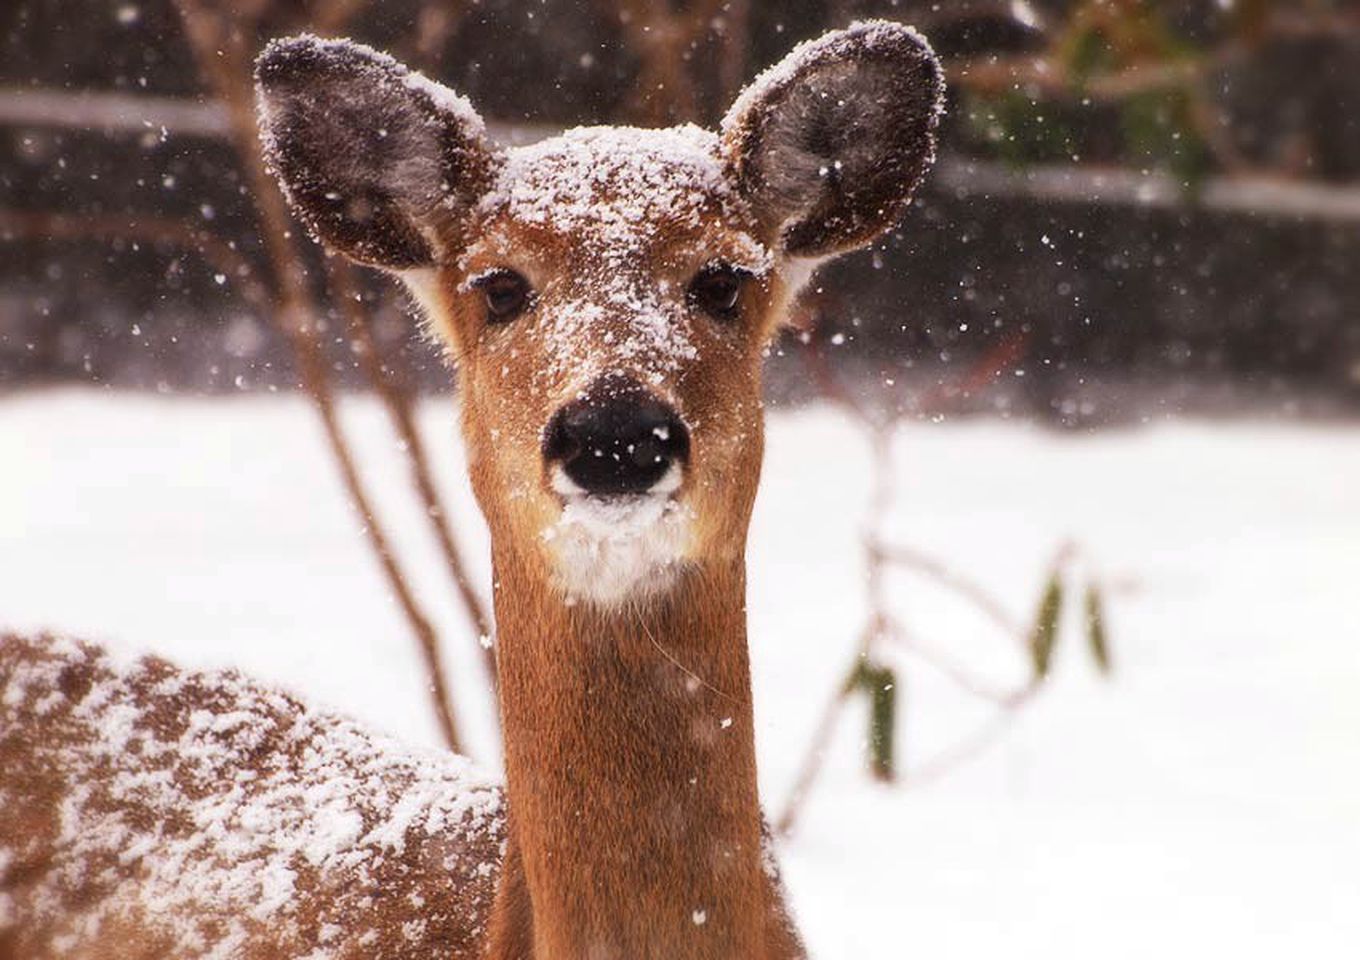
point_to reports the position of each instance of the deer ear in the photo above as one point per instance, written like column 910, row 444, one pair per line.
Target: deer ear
column 382, row 164
column 828, row 145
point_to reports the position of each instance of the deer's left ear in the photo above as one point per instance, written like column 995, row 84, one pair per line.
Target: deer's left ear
column 829, row 144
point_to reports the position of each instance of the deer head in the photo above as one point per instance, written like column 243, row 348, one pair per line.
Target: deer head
column 608, row 294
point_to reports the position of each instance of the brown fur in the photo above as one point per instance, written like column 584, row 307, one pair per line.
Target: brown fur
column 105, row 852
column 631, row 766
column 635, row 826
column 634, row 809
column 108, row 767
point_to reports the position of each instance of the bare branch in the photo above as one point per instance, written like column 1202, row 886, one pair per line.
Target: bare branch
column 398, row 404
column 215, row 251
column 224, row 60
column 955, row 671
column 954, row 581
column 333, row 16
column 111, row 112
column 1267, row 196
column 1045, row 76
column 662, row 39
column 813, row 759
column 734, row 29
column 973, row 745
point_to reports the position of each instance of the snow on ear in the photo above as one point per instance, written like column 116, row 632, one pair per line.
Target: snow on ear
column 379, row 162
column 829, row 144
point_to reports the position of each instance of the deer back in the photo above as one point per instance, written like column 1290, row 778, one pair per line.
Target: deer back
column 152, row 812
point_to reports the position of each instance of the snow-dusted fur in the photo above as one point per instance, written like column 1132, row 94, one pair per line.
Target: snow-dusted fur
column 148, row 811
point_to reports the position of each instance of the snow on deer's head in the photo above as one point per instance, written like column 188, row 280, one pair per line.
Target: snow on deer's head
column 607, row 294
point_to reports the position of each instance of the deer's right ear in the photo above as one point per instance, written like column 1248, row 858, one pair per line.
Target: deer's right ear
column 382, row 164
column 828, row 145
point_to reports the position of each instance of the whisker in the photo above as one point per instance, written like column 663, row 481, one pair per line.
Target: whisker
column 684, row 669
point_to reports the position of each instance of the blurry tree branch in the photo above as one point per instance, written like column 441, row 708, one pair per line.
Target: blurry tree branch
column 214, row 251
column 734, row 31
column 115, row 112
column 1249, row 195
column 665, row 37
column 951, row 579
column 112, row 112
column 399, row 408
column 224, row 58
column 1043, row 75
column 333, row 16
column 436, row 23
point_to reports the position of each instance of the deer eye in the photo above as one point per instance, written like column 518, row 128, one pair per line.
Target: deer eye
column 716, row 289
column 507, row 295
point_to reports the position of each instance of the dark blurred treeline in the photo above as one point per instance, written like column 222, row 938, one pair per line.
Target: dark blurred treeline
column 1047, row 233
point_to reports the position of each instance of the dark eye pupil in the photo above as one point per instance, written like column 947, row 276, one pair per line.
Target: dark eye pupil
column 506, row 295
column 717, row 290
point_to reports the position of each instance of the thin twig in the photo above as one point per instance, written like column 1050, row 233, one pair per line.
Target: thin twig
column 399, row 409
column 813, row 759
column 973, row 745
column 987, row 369
column 954, row 670
column 881, row 623
column 215, row 251
column 223, row 60
column 436, row 22
column 663, row 39
column 954, row 581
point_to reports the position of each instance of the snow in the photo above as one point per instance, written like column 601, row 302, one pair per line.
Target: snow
column 275, row 790
column 237, row 808
column 617, row 196
column 611, row 185
column 1203, row 802
column 607, row 552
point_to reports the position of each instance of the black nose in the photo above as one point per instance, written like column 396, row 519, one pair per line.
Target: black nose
column 616, row 438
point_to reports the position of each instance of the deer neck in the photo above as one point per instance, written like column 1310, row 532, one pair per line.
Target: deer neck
column 630, row 767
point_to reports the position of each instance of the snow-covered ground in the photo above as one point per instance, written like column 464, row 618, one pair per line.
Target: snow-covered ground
column 1203, row 802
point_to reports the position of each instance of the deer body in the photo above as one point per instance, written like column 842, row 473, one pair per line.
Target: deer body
column 607, row 296
column 150, row 812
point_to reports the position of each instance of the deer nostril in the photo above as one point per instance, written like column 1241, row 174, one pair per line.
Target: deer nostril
column 617, row 438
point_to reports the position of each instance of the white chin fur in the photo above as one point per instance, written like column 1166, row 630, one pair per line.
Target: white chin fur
column 610, row 551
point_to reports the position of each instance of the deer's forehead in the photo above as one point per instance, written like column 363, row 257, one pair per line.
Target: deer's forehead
column 617, row 190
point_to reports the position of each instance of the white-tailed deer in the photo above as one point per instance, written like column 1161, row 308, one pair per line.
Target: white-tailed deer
column 607, row 296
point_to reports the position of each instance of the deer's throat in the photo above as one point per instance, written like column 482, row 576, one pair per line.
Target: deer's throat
column 631, row 769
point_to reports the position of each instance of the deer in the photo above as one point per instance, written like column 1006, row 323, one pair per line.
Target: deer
column 606, row 296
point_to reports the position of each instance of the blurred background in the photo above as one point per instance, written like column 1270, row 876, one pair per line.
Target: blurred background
column 1157, row 198
column 1067, row 467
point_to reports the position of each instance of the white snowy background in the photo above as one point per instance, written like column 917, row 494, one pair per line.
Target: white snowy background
column 1204, row 802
